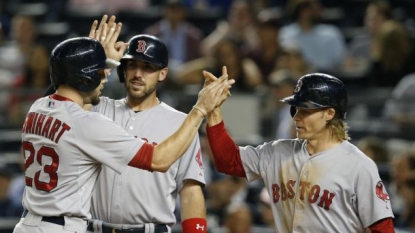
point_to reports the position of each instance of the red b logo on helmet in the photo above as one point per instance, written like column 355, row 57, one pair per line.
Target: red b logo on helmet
column 298, row 86
column 141, row 46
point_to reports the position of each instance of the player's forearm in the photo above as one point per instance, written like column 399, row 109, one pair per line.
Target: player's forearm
column 167, row 152
column 214, row 117
column 192, row 201
column 225, row 152
column 193, row 208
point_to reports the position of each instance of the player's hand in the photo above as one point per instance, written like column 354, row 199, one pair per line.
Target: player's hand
column 100, row 33
column 107, row 34
column 209, row 78
column 214, row 94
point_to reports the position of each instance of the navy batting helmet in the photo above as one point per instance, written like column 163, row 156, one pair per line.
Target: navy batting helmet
column 76, row 62
column 319, row 90
column 146, row 48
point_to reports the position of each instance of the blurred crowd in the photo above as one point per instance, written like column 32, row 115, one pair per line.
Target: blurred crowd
column 267, row 46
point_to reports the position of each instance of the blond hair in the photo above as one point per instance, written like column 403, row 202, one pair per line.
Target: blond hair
column 339, row 128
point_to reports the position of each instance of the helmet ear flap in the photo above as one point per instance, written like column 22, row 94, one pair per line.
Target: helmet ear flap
column 121, row 71
column 293, row 110
column 85, row 83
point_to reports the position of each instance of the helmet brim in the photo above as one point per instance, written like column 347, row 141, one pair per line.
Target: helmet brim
column 141, row 58
column 302, row 103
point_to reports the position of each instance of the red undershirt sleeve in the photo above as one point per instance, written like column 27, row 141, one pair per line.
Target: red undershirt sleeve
column 143, row 158
column 382, row 226
column 225, row 152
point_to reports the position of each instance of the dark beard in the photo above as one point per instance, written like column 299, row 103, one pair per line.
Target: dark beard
column 93, row 99
column 142, row 95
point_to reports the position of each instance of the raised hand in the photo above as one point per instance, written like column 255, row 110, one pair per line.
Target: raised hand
column 209, row 78
column 214, row 94
column 107, row 33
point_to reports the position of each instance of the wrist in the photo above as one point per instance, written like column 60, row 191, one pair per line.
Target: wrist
column 214, row 112
column 214, row 117
column 194, row 225
column 201, row 110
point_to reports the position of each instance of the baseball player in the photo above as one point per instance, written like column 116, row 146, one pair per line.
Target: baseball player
column 136, row 199
column 64, row 145
column 318, row 182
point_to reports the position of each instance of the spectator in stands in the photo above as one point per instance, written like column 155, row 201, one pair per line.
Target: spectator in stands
column 276, row 118
column 259, row 5
column 6, row 76
column 400, row 108
column 30, row 85
column 219, row 195
column 16, row 49
column 17, row 185
column 393, row 55
column 402, row 169
column 321, row 45
column 293, row 61
column 109, row 7
column 7, row 209
column 182, row 39
column 408, row 216
column 206, row 5
column 240, row 26
column 266, row 210
column 227, row 191
column 1, row 33
column 238, row 218
column 361, row 47
column 226, row 53
column 407, row 219
column 268, row 52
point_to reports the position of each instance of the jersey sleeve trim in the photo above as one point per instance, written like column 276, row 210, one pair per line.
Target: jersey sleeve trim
column 383, row 226
column 143, row 158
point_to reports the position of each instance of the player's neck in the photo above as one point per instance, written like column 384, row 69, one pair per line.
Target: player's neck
column 321, row 144
column 71, row 94
column 142, row 104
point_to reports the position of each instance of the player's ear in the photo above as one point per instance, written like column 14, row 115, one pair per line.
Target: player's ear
column 329, row 114
column 163, row 74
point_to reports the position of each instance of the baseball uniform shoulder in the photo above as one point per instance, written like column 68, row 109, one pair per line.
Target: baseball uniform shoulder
column 289, row 144
column 162, row 116
column 282, row 148
column 72, row 114
column 354, row 153
column 170, row 110
column 106, row 103
column 85, row 118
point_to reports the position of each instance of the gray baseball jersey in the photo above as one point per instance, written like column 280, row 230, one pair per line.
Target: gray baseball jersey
column 64, row 147
column 138, row 196
column 338, row 190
